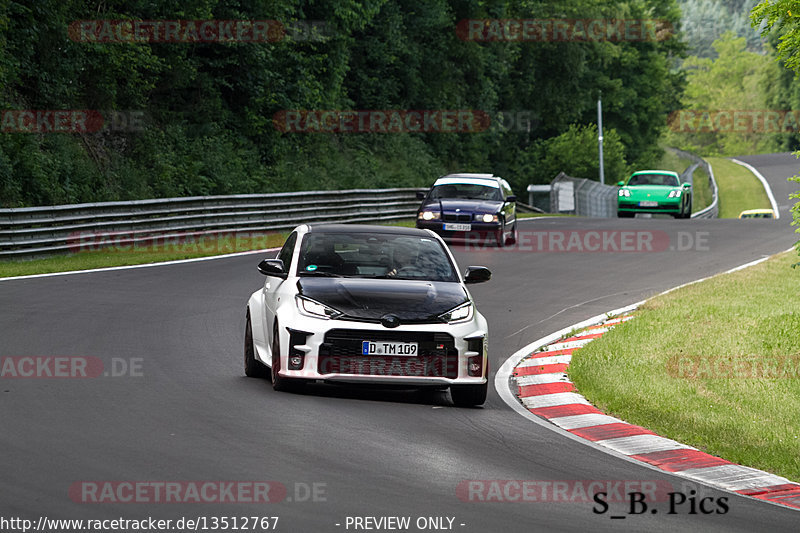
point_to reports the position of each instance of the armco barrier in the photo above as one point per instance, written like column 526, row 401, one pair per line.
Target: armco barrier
column 37, row 231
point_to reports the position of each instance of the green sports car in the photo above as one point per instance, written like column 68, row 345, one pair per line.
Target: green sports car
column 654, row 191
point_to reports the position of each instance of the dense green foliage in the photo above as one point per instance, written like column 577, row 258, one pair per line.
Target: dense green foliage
column 209, row 106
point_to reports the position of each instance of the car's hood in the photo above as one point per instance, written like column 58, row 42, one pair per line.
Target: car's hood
column 654, row 191
column 468, row 206
column 370, row 299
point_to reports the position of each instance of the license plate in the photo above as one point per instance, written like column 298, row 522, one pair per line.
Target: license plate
column 389, row 348
column 457, row 227
column 648, row 203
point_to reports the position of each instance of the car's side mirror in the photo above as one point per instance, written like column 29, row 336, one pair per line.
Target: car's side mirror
column 620, row 183
column 272, row 267
column 511, row 198
column 687, row 185
column 477, row 274
column 421, row 195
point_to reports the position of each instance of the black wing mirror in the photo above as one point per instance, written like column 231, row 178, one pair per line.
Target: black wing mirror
column 421, row 195
column 511, row 198
column 272, row 267
column 477, row 274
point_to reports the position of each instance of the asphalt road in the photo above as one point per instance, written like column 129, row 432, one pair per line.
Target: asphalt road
column 187, row 413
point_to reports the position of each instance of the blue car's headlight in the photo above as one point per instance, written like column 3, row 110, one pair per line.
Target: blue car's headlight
column 429, row 215
column 488, row 217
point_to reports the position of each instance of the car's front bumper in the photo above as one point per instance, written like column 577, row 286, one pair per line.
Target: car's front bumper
column 666, row 206
column 330, row 350
column 476, row 229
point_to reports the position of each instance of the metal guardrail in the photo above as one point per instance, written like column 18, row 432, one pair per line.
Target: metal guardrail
column 38, row 231
column 582, row 197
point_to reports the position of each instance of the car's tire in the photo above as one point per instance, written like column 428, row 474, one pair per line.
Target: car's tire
column 625, row 214
column 512, row 239
column 253, row 368
column 500, row 236
column 469, row 395
column 688, row 210
column 279, row 383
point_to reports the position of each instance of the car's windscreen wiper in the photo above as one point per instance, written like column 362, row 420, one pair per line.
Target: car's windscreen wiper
column 320, row 273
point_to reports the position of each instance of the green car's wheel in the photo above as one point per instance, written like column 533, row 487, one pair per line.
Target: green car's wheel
column 625, row 214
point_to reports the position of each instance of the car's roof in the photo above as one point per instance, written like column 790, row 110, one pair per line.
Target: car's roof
column 665, row 172
column 471, row 175
column 487, row 180
column 366, row 228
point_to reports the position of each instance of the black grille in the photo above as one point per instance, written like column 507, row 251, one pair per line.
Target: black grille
column 455, row 217
column 340, row 353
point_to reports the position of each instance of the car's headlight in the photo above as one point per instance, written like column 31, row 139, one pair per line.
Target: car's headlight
column 625, row 192
column 310, row 307
column 429, row 215
column 461, row 313
column 674, row 194
column 488, row 217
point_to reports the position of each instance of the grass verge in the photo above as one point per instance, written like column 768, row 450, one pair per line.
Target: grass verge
column 739, row 189
column 715, row 365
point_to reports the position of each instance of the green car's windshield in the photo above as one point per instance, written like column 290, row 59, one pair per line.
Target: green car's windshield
column 667, row 180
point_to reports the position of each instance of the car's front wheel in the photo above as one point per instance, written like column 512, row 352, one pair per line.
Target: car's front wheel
column 512, row 238
column 500, row 236
column 469, row 395
column 253, row 368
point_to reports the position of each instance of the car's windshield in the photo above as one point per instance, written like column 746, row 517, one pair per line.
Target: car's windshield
column 470, row 191
column 374, row 255
column 654, row 179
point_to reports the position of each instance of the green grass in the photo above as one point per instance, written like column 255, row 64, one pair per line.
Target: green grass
column 715, row 365
column 739, row 189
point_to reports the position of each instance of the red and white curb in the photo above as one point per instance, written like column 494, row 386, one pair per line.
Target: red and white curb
column 543, row 388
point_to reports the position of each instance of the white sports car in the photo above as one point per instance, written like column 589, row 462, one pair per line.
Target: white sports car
column 374, row 304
